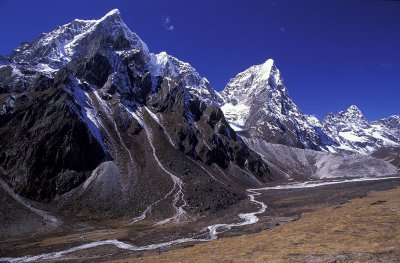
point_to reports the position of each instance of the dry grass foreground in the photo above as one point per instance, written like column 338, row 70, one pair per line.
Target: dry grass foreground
column 363, row 230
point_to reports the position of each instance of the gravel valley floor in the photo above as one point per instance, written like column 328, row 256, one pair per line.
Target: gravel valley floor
column 336, row 225
column 344, row 222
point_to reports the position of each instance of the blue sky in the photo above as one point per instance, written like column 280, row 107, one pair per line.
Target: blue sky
column 331, row 53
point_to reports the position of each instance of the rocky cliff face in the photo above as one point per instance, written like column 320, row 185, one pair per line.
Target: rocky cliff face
column 47, row 148
column 93, row 121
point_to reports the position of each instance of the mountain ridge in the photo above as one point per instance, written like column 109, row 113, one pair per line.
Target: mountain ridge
column 257, row 104
column 257, row 95
column 93, row 123
column 95, row 115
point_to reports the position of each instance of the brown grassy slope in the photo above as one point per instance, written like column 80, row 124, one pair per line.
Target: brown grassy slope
column 365, row 229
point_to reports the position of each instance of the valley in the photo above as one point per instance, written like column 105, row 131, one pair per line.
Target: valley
column 363, row 229
column 113, row 239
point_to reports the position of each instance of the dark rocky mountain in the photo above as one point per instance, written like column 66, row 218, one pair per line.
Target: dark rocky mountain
column 92, row 122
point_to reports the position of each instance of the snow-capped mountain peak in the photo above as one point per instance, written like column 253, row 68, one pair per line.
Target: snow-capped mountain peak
column 354, row 112
column 257, row 102
column 393, row 122
column 95, row 100
column 163, row 64
column 351, row 130
column 113, row 13
column 353, row 108
column 266, row 68
column 110, row 44
column 168, row 66
column 107, row 54
column 352, row 118
column 249, row 82
column 53, row 50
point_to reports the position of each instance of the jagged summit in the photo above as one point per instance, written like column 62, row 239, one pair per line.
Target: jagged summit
column 354, row 111
column 352, row 115
column 113, row 13
column 353, row 108
column 243, row 89
column 352, row 131
column 257, row 103
column 265, row 69
column 107, row 39
column 247, row 82
column 79, row 38
column 171, row 67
